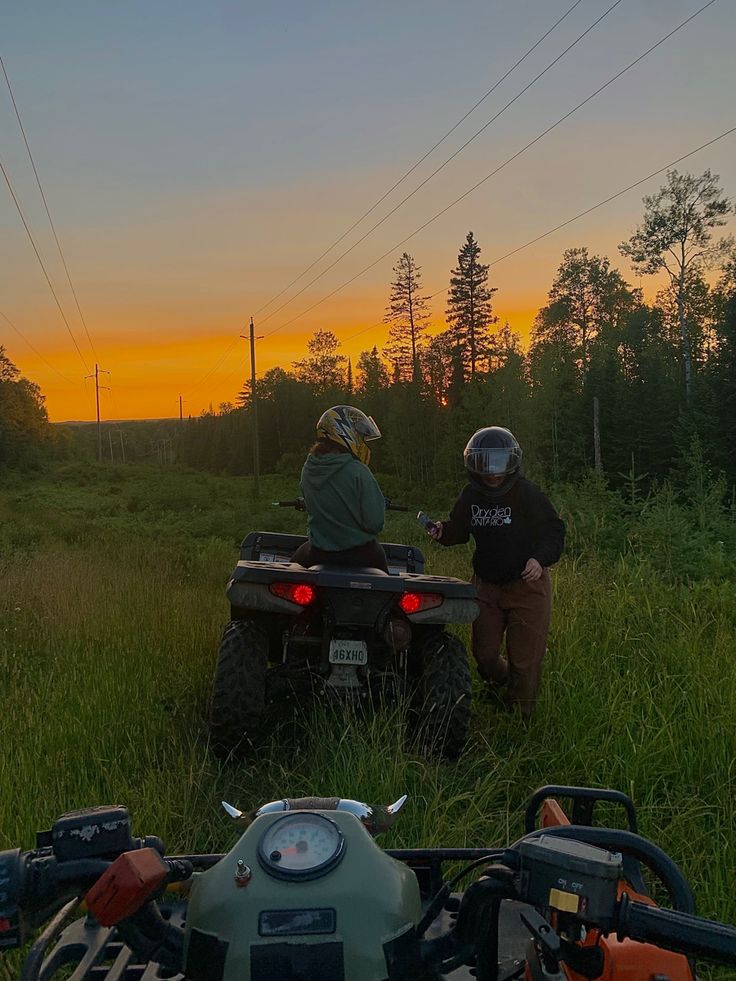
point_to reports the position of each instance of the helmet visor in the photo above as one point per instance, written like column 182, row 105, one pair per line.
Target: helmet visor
column 367, row 428
column 495, row 461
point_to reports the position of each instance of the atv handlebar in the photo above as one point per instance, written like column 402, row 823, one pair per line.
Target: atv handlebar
column 299, row 505
column 680, row 932
column 34, row 885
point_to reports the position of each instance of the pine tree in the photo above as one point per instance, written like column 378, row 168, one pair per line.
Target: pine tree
column 437, row 366
column 469, row 309
column 407, row 312
column 372, row 374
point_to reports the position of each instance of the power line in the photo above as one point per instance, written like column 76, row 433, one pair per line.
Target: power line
column 46, row 206
column 35, row 351
column 556, row 228
column 41, row 263
column 214, row 368
column 580, row 214
column 500, row 167
column 386, row 194
column 421, row 159
column 447, row 161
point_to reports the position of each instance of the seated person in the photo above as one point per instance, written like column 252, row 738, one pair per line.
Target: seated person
column 345, row 506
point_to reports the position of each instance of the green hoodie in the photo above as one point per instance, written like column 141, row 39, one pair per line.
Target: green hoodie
column 345, row 506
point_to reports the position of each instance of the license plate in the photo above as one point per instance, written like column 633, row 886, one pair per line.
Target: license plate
column 348, row 652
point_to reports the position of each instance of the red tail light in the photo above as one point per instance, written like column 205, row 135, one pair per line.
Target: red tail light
column 416, row 602
column 300, row 593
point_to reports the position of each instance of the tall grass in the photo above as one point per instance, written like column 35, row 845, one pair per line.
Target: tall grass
column 111, row 605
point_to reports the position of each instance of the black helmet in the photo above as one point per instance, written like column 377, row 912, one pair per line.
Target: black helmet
column 492, row 452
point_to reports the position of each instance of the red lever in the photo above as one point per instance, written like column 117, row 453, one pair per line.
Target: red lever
column 125, row 886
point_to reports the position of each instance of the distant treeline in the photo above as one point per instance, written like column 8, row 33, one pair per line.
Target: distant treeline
column 647, row 428
column 635, row 391
column 25, row 435
column 608, row 382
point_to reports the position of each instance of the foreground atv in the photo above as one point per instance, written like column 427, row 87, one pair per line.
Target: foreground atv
column 335, row 630
column 306, row 894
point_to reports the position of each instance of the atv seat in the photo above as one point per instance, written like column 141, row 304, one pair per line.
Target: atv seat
column 268, row 546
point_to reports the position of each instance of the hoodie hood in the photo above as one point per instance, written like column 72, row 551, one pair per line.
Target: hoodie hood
column 323, row 468
column 345, row 506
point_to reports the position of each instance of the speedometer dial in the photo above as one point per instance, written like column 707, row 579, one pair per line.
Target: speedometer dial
column 301, row 846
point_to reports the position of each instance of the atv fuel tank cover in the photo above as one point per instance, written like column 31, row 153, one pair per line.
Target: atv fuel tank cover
column 297, row 962
column 296, row 922
column 206, row 956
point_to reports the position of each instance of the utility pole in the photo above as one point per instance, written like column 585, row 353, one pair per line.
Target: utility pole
column 254, row 402
column 112, row 455
column 96, row 377
column 181, row 410
column 597, row 435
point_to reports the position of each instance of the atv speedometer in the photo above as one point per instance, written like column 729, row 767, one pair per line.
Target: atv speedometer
column 301, row 846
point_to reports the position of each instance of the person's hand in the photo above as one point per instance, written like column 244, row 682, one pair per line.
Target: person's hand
column 532, row 571
column 436, row 531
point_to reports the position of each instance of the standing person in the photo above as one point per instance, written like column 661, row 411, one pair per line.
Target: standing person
column 345, row 506
column 518, row 534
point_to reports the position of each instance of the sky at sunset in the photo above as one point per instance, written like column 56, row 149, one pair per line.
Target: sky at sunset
column 197, row 157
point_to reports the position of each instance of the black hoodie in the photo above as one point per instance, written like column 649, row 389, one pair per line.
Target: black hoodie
column 510, row 526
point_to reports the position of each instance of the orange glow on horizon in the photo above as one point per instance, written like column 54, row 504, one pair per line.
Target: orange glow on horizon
column 206, row 370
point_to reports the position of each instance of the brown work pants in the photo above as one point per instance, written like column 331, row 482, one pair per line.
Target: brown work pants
column 522, row 611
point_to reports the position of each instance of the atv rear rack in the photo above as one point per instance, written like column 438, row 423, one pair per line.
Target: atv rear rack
column 269, row 546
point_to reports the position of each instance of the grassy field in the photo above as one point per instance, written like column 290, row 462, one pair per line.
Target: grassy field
column 112, row 601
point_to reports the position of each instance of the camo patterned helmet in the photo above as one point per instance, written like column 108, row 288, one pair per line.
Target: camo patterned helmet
column 349, row 427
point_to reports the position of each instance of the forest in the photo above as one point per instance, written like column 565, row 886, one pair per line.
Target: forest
column 607, row 382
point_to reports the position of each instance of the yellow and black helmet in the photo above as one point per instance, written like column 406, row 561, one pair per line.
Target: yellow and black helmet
column 349, row 427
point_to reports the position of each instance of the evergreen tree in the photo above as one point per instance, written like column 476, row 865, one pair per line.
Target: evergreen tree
column 437, row 366
column 469, row 308
column 407, row 312
column 697, row 310
column 722, row 378
column 372, row 373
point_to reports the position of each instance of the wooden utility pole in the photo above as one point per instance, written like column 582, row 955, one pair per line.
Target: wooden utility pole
column 254, row 403
column 96, row 377
column 181, row 410
column 597, row 435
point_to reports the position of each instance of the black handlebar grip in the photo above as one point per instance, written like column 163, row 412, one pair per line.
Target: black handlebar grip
column 680, row 932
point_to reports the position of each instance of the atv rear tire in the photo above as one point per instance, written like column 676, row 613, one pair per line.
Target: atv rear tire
column 443, row 696
column 239, row 690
